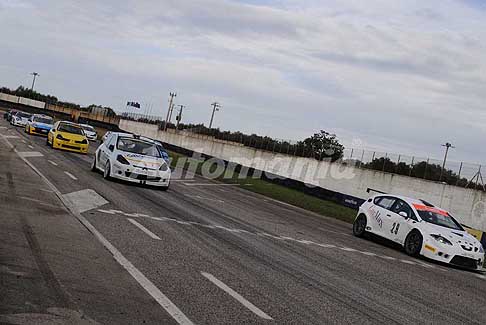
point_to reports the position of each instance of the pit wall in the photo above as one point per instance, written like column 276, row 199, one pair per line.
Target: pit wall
column 467, row 205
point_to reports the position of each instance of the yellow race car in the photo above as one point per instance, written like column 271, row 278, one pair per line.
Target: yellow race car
column 68, row 136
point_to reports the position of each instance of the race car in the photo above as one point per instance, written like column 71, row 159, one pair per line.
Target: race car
column 90, row 132
column 20, row 118
column 67, row 136
column 131, row 158
column 39, row 124
column 421, row 228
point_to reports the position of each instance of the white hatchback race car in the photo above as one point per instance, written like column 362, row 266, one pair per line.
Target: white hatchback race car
column 20, row 118
column 132, row 158
column 421, row 228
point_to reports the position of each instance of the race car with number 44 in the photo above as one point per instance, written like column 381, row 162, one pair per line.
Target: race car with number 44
column 132, row 158
column 421, row 228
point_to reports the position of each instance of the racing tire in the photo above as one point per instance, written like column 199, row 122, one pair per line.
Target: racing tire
column 359, row 225
column 93, row 165
column 413, row 243
column 107, row 172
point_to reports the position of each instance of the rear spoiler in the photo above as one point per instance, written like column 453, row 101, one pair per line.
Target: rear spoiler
column 368, row 190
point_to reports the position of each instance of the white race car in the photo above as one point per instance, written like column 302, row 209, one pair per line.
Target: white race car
column 421, row 228
column 132, row 158
column 90, row 132
column 20, row 119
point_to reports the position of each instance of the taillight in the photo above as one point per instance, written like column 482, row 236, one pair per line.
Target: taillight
column 122, row 160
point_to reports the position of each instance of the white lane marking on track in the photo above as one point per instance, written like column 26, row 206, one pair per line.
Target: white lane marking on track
column 142, row 280
column 52, row 162
column 264, row 234
column 30, row 154
column 209, row 184
column 481, row 276
column 31, row 146
column 24, row 141
column 39, row 202
column 142, row 228
column 11, row 136
column 71, row 175
column 203, row 198
column 334, row 232
column 85, row 200
column 257, row 311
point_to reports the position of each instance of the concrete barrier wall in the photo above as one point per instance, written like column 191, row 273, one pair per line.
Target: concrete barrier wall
column 468, row 205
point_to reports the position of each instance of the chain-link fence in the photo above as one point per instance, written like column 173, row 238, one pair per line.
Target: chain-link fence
column 455, row 173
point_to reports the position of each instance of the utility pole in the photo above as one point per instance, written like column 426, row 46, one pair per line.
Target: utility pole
column 447, row 145
column 179, row 116
column 35, row 74
column 216, row 107
column 171, row 102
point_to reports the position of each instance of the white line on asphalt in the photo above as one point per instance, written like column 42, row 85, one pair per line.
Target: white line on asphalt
column 257, row 311
column 29, row 154
column 209, row 184
column 24, row 141
column 31, row 146
column 52, row 162
column 144, row 282
column 203, row 198
column 334, row 232
column 408, row 262
column 142, row 228
column 71, row 175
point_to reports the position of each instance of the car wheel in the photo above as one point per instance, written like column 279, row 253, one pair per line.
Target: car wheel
column 107, row 172
column 93, row 165
column 413, row 243
column 359, row 226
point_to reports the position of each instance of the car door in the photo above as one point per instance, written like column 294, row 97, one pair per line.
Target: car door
column 402, row 218
column 384, row 205
column 104, row 153
column 50, row 135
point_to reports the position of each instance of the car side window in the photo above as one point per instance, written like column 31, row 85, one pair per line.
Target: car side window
column 402, row 206
column 386, row 202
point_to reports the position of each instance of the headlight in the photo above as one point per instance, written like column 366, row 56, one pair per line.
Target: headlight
column 84, row 141
column 122, row 160
column 164, row 167
column 60, row 137
column 441, row 239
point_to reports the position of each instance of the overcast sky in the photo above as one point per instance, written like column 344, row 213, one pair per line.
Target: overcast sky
column 400, row 76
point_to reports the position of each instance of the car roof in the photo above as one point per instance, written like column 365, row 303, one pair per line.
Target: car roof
column 409, row 200
column 135, row 136
column 41, row 115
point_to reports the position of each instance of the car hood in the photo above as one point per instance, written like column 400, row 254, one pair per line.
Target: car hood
column 459, row 237
column 42, row 125
column 143, row 161
column 72, row 136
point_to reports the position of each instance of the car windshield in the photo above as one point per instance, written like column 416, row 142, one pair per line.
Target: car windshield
column 138, row 147
column 88, row 128
column 22, row 114
column 44, row 120
column 440, row 219
column 70, row 128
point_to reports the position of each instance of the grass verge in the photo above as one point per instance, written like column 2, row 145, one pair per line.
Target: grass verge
column 281, row 193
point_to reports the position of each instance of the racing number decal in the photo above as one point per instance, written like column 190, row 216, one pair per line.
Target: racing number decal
column 396, row 226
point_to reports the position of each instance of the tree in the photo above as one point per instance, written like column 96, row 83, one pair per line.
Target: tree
column 324, row 145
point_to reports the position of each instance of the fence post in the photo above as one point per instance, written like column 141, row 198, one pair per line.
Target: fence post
column 398, row 163
column 361, row 160
column 351, row 155
column 411, row 167
column 384, row 161
column 459, row 175
column 426, row 165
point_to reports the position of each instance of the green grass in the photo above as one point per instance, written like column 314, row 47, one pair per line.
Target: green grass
column 283, row 194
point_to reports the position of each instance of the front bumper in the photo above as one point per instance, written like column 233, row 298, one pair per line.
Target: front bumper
column 453, row 255
column 140, row 176
column 18, row 123
column 70, row 146
column 38, row 131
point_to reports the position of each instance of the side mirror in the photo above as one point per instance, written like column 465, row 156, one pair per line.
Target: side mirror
column 111, row 147
column 403, row 214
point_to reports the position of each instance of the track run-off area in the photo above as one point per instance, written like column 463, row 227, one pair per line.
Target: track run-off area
column 75, row 248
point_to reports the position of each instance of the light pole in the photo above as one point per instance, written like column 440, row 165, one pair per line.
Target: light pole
column 447, row 145
column 171, row 101
column 35, row 74
column 216, row 107
column 179, row 116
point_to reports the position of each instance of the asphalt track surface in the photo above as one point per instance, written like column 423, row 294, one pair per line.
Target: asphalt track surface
column 202, row 253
